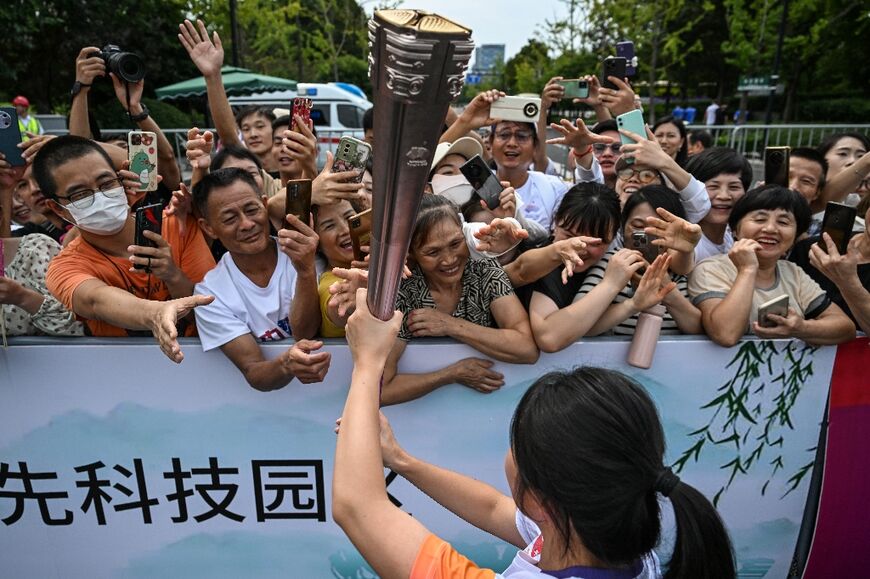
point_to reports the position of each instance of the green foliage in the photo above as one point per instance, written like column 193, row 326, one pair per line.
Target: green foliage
column 44, row 37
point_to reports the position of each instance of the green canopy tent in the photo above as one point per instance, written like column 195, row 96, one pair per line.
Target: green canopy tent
column 237, row 81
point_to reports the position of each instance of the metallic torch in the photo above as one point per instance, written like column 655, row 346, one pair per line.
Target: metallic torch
column 417, row 62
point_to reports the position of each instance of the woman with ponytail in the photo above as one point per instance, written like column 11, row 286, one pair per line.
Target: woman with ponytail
column 584, row 467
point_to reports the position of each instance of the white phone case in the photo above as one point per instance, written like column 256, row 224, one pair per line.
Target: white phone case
column 142, row 152
column 518, row 109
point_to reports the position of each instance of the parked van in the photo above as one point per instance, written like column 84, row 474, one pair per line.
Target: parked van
column 337, row 110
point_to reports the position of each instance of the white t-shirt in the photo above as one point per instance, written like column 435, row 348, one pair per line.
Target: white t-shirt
column 710, row 114
column 542, row 195
column 706, row 248
column 525, row 564
column 241, row 307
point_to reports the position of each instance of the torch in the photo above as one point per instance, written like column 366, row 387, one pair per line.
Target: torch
column 417, row 62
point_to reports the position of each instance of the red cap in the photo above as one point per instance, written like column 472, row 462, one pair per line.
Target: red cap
column 21, row 101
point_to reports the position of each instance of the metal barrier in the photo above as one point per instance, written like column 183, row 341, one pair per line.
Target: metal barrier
column 750, row 140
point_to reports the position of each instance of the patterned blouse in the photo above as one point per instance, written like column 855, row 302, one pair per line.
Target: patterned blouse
column 483, row 282
column 28, row 268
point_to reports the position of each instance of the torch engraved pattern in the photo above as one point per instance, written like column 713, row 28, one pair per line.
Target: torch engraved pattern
column 417, row 63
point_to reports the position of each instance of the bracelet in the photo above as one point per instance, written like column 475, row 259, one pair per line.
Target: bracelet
column 585, row 152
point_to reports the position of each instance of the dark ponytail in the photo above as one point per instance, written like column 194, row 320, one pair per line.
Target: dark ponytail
column 702, row 549
column 589, row 444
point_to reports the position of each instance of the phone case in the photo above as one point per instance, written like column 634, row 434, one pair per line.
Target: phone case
column 631, row 121
column 612, row 66
column 298, row 200
column 10, row 136
column 142, row 152
column 838, row 222
column 643, row 242
column 302, row 107
column 776, row 160
column 625, row 49
column 575, row 88
column 777, row 306
column 517, row 109
column 148, row 218
column 482, row 180
column 360, row 232
column 352, row 155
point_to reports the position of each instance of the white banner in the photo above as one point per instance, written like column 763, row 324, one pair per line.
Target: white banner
column 114, row 462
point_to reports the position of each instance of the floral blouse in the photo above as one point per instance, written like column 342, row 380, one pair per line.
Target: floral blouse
column 28, row 268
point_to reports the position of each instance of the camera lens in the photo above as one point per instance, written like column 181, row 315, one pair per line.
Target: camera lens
column 126, row 66
column 530, row 110
column 5, row 120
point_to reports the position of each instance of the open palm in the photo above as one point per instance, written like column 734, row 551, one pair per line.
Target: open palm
column 206, row 53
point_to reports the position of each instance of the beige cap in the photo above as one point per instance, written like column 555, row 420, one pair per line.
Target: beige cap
column 465, row 146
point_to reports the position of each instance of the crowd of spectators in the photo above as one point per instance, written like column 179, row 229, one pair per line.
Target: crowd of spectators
column 555, row 261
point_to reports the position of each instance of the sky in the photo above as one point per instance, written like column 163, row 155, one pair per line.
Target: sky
column 508, row 22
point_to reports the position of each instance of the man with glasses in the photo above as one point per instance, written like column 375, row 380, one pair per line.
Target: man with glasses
column 95, row 275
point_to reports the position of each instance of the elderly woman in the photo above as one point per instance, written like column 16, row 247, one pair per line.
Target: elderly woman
column 728, row 289
column 449, row 294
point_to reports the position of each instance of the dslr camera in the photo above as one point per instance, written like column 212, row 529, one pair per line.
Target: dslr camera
column 125, row 65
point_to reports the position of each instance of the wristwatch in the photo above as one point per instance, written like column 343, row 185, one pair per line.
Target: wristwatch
column 77, row 88
column 141, row 116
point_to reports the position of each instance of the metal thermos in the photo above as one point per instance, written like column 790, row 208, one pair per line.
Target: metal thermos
column 417, row 63
column 646, row 336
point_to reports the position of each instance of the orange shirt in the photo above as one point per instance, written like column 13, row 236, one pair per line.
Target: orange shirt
column 81, row 261
column 438, row 560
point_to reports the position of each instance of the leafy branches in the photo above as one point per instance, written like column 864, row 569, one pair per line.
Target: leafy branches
column 751, row 412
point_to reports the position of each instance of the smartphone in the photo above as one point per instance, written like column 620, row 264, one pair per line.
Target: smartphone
column 612, row 66
column 482, row 179
column 351, row 155
column 777, row 306
column 360, row 232
column 516, row 108
column 10, row 136
column 148, row 218
column 776, row 165
column 631, row 121
column 142, row 153
column 575, row 88
column 625, row 49
column 302, row 107
column 298, row 201
column 643, row 242
column 838, row 221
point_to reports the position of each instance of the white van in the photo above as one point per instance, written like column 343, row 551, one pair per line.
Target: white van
column 338, row 109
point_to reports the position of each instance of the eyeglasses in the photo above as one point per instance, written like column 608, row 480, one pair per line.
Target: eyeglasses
column 601, row 147
column 644, row 175
column 520, row 136
column 85, row 198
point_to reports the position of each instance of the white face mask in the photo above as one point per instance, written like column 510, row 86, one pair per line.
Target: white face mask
column 107, row 216
column 454, row 187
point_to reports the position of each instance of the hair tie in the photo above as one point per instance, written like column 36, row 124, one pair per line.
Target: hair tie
column 666, row 482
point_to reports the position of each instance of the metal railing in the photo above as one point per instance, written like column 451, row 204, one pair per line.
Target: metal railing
column 750, row 140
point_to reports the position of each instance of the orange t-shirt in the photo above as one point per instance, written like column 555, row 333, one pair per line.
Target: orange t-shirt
column 438, row 560
column 81, row 261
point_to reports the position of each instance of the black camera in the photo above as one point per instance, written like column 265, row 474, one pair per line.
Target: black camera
column 125, row 65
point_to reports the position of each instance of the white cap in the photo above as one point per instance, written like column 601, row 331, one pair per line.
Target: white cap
column 465, row 146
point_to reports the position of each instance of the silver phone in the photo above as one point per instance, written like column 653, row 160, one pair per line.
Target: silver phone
column 777, row 306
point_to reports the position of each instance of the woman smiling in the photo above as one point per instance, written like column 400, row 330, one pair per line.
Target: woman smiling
column 728, row 289
column 449, row 294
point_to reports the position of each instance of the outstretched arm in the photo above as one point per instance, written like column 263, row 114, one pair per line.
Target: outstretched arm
column 386, row 536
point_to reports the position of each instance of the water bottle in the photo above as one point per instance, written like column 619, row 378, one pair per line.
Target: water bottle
column 646, row 336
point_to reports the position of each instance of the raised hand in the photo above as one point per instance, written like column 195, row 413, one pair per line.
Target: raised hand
column 477, row 114
column 499, row 236
column 206, row 53
column 654, row 285
column 576, row 135
column 673, row 232
column 618, row 101
column 199, row 147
